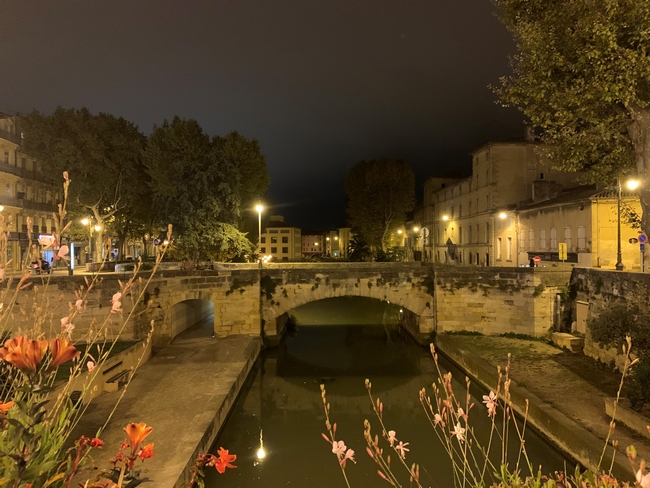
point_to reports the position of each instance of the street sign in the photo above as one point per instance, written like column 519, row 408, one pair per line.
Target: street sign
column 634, row 240
column 562, row 251
column 643, row 238
column 156, row 242
column 537, row 260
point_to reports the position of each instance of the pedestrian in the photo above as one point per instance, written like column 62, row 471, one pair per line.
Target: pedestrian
column 532, row 262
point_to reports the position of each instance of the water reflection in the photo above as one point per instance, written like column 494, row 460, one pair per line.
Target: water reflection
column 280, row 411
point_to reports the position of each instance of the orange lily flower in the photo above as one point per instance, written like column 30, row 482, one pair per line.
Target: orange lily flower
column 4, row 407
column 23, row 353
column 136, row 434
column 146, row 452
column 224, row 460
column 62, row 351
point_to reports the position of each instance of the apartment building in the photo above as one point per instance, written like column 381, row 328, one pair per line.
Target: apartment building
column 24, row 193
column 281, row 241
column 312, row 244
column 473, row 220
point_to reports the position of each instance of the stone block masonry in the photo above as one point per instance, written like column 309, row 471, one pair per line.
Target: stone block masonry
column 247, row 299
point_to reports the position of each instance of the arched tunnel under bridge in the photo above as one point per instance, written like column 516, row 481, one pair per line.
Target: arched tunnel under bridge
column 319, row 325
column 189, row 313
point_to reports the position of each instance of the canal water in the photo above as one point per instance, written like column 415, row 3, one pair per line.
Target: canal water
column 341, row 342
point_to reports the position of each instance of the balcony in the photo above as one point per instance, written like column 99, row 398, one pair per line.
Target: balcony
column 10, row 137
column 27, row 204
column 23, row 172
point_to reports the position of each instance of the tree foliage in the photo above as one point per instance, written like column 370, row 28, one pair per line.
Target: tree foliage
column 195, row 188
column 245, row 155
column 102, row 154
column 582, row 76
column 379, row 195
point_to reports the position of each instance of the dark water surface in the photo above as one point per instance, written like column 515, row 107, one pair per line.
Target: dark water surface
column 282, row 402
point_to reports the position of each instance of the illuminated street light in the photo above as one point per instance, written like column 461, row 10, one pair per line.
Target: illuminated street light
column 259, row 209
column 502, row 215
column 415, row 229
column 632, row 185
column 445, row 218
column 399, row 231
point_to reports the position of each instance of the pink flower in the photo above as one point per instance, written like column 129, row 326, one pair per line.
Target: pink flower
column 66, row 326
column 338, row 448
column 459, row 432
column 643, row 480
column 63, row 251
column 491, row 403
column 91, row 364
column 117, row 304
column 79, row 305
column 391, row 437
column 461, row 413
column 437, row 419
column 402, row 449
column 348, row 455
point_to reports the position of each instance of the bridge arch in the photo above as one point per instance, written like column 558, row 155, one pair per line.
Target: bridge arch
column 188, row 309
column 284, row 292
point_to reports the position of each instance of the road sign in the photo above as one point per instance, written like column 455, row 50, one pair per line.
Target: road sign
column 643, row 238
column 633, row 240
column 537, row 260
column 156, row 242
column 562, row 251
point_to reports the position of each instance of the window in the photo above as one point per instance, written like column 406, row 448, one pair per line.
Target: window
column 477, row 237
column 553, row 239
column 452, row 212
column 7, row 157
column 274, row 250
column 541, row 176
column 460, row 235
column 509, row 249
column 273, row 232
column 23, row 162
column 498, row 249
column 285, row 231
column 542, row 239
column 285, row 239
column 470, row 211
column 531, row 239
column 262, row 249
column 469, row 238
column 567, row 237
column 274, row 240
column 285, row 250
column 522, row 240
column 582, row 244
column 460, row 211
column 263, row 240
column 8, row 190
column 487, row 232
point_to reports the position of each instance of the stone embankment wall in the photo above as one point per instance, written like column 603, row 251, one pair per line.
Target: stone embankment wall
column 600, row 289
column 497, row 300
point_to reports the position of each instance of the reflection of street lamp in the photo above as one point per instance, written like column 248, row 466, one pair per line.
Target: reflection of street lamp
column 259, row 209
column 632, row 185
column 97, row 228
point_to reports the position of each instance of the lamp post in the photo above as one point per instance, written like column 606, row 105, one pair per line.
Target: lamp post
column 632, row 185
column 97, row 228
column 259, row 209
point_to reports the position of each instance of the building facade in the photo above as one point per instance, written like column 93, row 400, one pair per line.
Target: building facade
column 281, row 241
column 24, row 193
column 471, row 220
column 312, row 245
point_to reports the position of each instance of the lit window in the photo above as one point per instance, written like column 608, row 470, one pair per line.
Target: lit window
column 499, row 243
column 509, row 249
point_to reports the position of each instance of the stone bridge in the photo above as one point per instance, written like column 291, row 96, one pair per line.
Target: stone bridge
column 246, row 299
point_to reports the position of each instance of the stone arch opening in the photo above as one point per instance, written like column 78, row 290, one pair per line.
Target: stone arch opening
column 192, row 312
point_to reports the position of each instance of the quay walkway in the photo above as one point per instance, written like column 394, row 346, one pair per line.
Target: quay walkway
column 184, row 392
column 566, row 393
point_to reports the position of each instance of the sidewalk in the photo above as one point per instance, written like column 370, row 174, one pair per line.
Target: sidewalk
column 184, row 392
column 566, row 391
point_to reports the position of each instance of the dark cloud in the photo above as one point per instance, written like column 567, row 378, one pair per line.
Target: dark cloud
column 321, row 84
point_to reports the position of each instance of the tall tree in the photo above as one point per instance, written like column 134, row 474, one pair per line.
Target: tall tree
column 582, row 75
column 244, row 154
column 379, row 195
column 102, row 154
column 194, row 189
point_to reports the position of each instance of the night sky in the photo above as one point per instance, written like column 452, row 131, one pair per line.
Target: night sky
column 321, row 84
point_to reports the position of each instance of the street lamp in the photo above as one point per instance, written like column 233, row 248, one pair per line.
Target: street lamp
column 259, row 209
column 632, row 185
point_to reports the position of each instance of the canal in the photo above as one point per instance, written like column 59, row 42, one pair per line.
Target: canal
column 341, row 342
